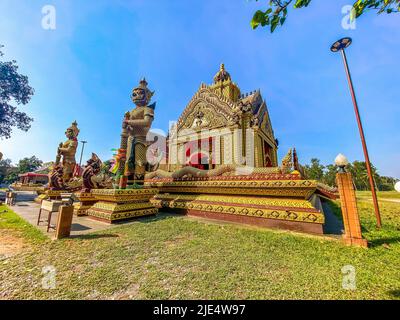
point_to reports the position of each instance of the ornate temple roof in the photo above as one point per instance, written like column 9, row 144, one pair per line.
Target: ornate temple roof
column 253, row 98
column 221, row 105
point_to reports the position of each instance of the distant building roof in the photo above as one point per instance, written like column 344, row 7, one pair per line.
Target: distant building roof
column 32, row 174
column 45, row 168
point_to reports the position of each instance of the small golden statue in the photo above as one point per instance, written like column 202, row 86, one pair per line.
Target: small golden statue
column 67, row 151
column 135, row 127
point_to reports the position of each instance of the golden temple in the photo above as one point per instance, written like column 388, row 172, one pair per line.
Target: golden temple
column 221, row 163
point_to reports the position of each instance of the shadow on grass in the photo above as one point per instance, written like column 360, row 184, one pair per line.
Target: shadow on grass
column 79, row 227
column 153, row 218
column 382, row 241
column 335, row 207
column 93, row 236
column 395, row 293
column 149, row 219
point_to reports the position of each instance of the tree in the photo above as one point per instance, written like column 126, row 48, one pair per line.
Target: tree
column 12, row 175
column 9, row 173
column 359, row 172
column 13, row 86
column 330, row 175
column 386, row 183
column 29, row 164
column 277, row 10
column 5, row 166
column 327, row 174
column 315, row 171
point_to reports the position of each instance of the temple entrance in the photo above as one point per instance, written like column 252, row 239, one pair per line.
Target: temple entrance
column 267, row 155
column 268, row 162
column 199, row 160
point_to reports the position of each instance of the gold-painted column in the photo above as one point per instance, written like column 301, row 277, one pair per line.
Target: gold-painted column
column 351, row 219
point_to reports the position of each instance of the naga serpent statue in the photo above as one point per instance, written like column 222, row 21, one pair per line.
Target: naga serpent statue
column 232, row 170
column 56, row 181
column 90, row 176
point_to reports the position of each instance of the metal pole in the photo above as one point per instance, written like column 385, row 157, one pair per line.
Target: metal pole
column 364, row 145
column 83, row 147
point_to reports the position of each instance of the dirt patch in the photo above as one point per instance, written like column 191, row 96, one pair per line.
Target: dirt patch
column 383, row 199
column 178, row 240
column 128, row 294
column 10, row 244
column 391, row 200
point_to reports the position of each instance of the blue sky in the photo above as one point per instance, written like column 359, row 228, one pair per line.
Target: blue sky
column 85, row 70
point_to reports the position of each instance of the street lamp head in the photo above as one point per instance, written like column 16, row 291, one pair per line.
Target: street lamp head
column 341, row 44
column 341, row 161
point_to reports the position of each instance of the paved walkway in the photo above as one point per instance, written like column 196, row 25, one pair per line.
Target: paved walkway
column 29, row 210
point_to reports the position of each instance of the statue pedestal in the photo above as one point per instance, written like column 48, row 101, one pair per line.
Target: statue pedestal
column 115, row 205
column 85, row 202
column 49, row 195
column 40, row 198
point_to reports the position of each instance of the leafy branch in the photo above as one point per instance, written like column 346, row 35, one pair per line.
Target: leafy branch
column 277, row 11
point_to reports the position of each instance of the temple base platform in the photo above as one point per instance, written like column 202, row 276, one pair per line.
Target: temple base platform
column 272, row 201
column 116, row 205
column 290, row 214
column 85, row 202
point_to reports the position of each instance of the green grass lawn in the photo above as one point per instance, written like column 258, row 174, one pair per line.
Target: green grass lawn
column 12, row 222
column 173, row 257
column 381, row 194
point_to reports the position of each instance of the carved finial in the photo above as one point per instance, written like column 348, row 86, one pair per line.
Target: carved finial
column 222, row 74
column 287, row 162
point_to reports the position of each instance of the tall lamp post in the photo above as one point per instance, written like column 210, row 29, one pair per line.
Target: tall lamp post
column 83, row 147
column 340, row 45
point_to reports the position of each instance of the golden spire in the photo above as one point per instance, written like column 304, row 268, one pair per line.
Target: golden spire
column 223, row 84
column 222, row 74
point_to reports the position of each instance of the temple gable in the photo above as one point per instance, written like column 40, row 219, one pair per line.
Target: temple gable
column 222, row 126
column 207, row 109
